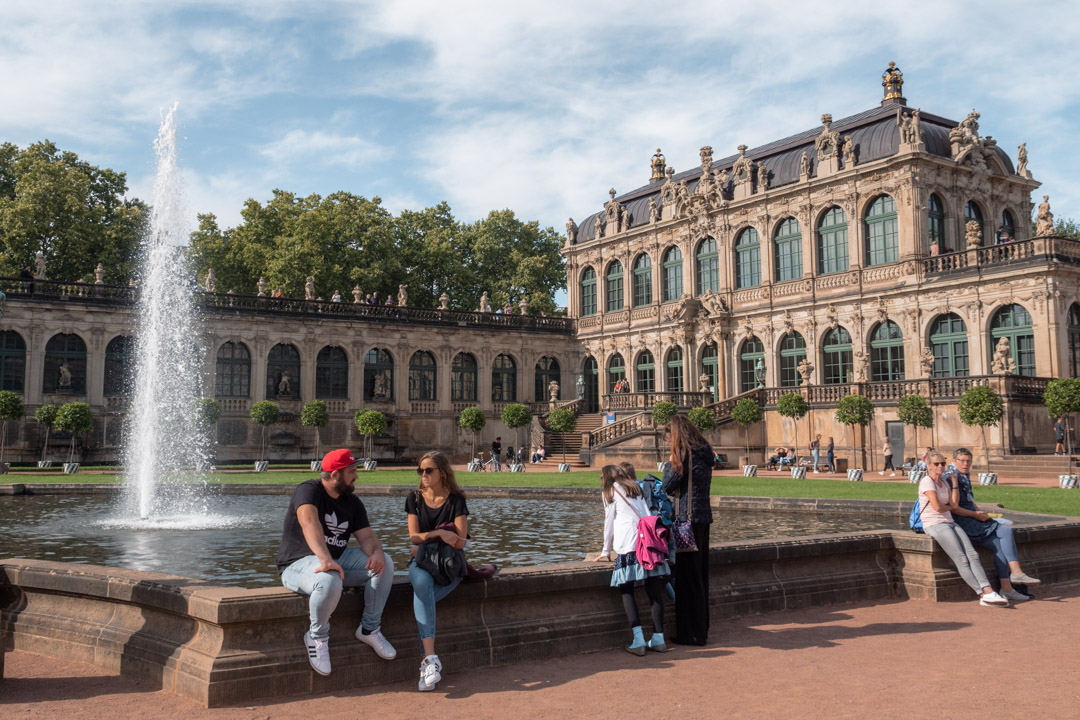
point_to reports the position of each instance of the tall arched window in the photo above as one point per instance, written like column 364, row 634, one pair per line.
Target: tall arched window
column 504, row 379
column 1007, row 231
column 935, row 227
column 613, row 299
column 547, row 369
column 832, row 242
column 378, row 375
column 672, row 285
column 646, row 372
column 792, row 352
column 463, row 378
column 232, row 372
column 710, row 366
column 119, row 365
column 882, row 236
column 332, row 373
column 642, row 281
column 616, row 371
column 1074, row 341
column 887, row 352
column 588, row 292
column 69, row 352
column 949, row 343
column 707, row 267
column 751, row 352
column 590, row 392
column 422, row 376
column 12, row 361
column 1014, row 322
column 283, row 372
column 836, row 357
column 747, row 259
column 787, row 250
column 973, row 212
column 674, row 364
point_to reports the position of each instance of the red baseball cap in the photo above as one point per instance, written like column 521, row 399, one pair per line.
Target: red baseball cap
column 338, row 459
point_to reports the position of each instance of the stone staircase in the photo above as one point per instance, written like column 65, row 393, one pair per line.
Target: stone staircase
column 555, row 443
column 1021, row 466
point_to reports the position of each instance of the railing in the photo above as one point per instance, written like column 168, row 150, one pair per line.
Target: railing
column 423, row 408
column 647, row 400
column 117, row 403
column 721, row 409
column 337, row 407
column 1048, row 248
column 234, row 405
column 621, row 428
column 1010, row 386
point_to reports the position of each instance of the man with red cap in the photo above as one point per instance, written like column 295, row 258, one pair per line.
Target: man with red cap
column 313, row 559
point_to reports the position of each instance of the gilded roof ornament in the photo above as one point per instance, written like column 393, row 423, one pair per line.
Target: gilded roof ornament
column 893, row 82
column 658, row 162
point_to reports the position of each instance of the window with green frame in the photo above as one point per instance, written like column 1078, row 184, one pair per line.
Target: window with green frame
column 792, row 352
column 949, row 343
column 613, row 299
column 12, row 361
column 752, row 350
column 1014, row 322
column 332, row 373
column 463, row 378
column 836, row 357
column 119, row 366
column 66, row 349
column 747, row 259
column 832, row 242
column 707, row 267
column 547, row 369
column 642, row 280
column 972, row 211
column 616, row 371
column 672, row 285
column 588, row 292
column 504, row 379
column 674, row 364
column 787, row 250
column 422, row 376
column 710, row 365
column 882, row 236
column 887, row 352
column 646, row 373
column 935, row 223
column 1074, row 341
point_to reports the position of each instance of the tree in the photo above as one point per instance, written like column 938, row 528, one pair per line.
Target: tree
column 75, row 418
column 369, row 423
column 264, row 414
column 514, row 416
column 314, row 414
column 562, row 420
column 1067, row 227
column 11, row 408
column 914, row 410
column 702, row 418
column 46, row 417
column 980, row 405
column 472, row 418
column 854, row 410
column 1062, row 398
column 662, row 413
column 745, row 413
column 793, row 405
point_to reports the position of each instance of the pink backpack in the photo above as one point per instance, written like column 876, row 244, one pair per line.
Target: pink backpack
column 652, row 539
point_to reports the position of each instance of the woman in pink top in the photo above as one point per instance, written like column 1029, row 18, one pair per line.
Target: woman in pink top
column 935, row 496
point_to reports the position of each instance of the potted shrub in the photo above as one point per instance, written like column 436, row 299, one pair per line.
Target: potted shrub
column 264, row 414
column 914, row 410
column 662, row 413
column 745, row 413
column 315, row 414
column 561, row 420
column 75, row 418
column 514, row 416
column 793, row 405
column 370, row 423
column 980, row 405
column 11, row 408
column 1062, row 398
column 854, row 410
column 46, row 417
column 702, row 418
column 472, row 418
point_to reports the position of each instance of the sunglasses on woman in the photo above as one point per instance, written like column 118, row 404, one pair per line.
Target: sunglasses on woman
column 938, row 464
column 425, row 471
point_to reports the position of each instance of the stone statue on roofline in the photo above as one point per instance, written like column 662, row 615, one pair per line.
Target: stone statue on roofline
column 654, row 210
column 804, row 165
column 444, row 301
column 309, row 288
column 1022, row 161
column 1044, row 220
column 211, row 280
column 571, row 231
column 261, row 286
column 99, row 274
column 403, row 295
column 39, row 265
column 849, row 152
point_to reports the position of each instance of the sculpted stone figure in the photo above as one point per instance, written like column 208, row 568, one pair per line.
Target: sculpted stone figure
column 403, row 295
column 705, row 382
column 444, row 302
column 805, row 370
column 598, row 230
column 284, row 386
column 1022, row 161
column 804, row 165
column 381, row 385
column 571, row 231
column 309, row 288
column 926, row 358
column 1003, row 363
column 849, row 152
column 658, row 165
column 261, row 285
column 1044, row 220
column 654, row 210
column 553, row 391
column 827, row 142
column 357, row 295
column 211, row 280
column 485, row 302
column 973, row 234
column 39, row 265
column 523, row 306
column 65, row 376
column 762, row 177
column 862, row 365
column 99, row 275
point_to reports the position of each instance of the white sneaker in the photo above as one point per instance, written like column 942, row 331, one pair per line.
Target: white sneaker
column 318, row 653
column 1016, row 596
column 992, row 598
column 892, row 474
column 430, row 673
column 378, row 643
column 881, row 473
column 815, row 472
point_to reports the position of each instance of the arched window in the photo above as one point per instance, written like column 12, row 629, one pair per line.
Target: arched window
column 642, row 281
column 935, row 227
column 882, row 237
column 68, row 352
column 973, row 212
column 1074, row 342
column 750, row 354
column 588, row 292
column 332, row 373
column 949, row 343
column 616, row 371
column 836, row 357
column 674, row 364
column 710, row 366
column 119, row 365
column 887, row 352
column 422, row 376
column 232, row 373
column 672, row 285
column 613, row 299
column 646, row 373
column 707, row 267
column 832, row 242
column 590, row 391
column 283, row 372
column 463, row 378
column 547, row 369
column 787, row 250
column 378, row 375
column 792, row 352
column 504, row 379
column 1014, row 322
column 12, row 361
column 747, row 259
column 1007, row 231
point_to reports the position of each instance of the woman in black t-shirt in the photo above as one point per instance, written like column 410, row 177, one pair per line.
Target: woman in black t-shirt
column 438, row 502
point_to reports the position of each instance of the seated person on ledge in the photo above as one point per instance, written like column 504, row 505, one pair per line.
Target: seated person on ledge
column 779, row 459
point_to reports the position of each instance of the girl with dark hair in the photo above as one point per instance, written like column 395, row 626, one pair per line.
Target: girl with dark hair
column 689, row 478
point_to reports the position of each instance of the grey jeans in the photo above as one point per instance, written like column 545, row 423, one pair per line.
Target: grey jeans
column 965, row 557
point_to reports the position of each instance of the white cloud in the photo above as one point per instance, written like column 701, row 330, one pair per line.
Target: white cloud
column 323, row 148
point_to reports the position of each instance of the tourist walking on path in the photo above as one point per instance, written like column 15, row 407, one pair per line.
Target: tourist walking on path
column 815, row 451
column 438, row 529
column 688, row 477
column 981, row 529
column 624, row 505
column 886, row 450
column 313, row 559
column 935, row 498
column 496, row 454
column 830, row 455
column 1059, row 436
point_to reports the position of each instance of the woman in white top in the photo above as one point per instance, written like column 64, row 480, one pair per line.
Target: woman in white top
column 624, row 504
column 935, row 497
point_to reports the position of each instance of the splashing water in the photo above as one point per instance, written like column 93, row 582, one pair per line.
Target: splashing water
column 163, row 444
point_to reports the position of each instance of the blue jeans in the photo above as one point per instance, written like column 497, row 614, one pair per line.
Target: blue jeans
column 324, row 588
column 425, row 594
column 831, row 460
column 1004, row 546
column 817, row 458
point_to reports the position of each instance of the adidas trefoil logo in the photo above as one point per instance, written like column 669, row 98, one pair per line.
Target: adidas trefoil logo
column 333, row 525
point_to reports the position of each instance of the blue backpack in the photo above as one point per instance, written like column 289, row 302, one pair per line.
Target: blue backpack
column 915, row 518
column 658, row 501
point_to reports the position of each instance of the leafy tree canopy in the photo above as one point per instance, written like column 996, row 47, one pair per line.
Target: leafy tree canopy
column 1062, row 396
column 74, row 417
column 916, row 411
column 746, row 412
column 854, row 410
column 370, row 422
column 11, row 405
column 701, row 418
column 792, row 405
column 980, row 405
column 207, row 411
column 562, row 420
column 516, row 415
column 314, row 413
column 46, row 415
column 1067, row 227
column 663, row 411
column 472, row 418
column 264, row 413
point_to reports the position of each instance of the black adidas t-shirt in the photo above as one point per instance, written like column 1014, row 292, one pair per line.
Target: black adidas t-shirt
column 340, row 517
column 431, row 518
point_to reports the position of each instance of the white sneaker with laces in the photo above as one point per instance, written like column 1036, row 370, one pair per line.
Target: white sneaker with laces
column 881, row 473
column 378, row 643
column 318, row 653
column 1014, row 595
column 430, row 673
column 993, row 599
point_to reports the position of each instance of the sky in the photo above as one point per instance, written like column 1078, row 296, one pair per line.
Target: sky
column 536, row 107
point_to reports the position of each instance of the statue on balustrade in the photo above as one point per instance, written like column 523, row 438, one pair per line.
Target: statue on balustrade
column 284, row 387
column 485, row 302
column 759, row 374
column 357, row 295
column 211, row 280
column 523, row 306
column 553, row 391
column 973, row 234
column 444, row 302
column 39, row 265
column 99, row 274
column 1003, row 363
column 705, row 382
column 805, row 370
column 862, row 366
column 382, row 384
column 1044, row 221
column 309, row 288
column 580, row 387
column 403, row 295
column 261, row 287
column 926, row 358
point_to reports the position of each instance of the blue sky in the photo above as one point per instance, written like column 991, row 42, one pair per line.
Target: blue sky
column 539, row 107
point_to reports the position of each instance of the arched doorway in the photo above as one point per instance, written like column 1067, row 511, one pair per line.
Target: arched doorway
column 590, row 399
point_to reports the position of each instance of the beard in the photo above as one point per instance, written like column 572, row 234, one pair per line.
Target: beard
column 343, row 488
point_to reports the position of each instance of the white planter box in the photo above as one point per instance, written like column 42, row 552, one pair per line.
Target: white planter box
column 71, row 468
column 915, row 476
column 798, row 473
column 989, row 478
column 261, row 465
column 662, row 466
column 749, row 470
column 855, row 475
column 44, row 463
column 564, row 467
column 370, row 464
column 475, row 466
column 517, row 468
column 1069, row 482
column 4, row 467
column 316, row 466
